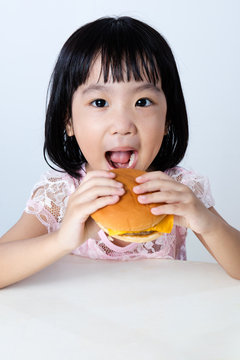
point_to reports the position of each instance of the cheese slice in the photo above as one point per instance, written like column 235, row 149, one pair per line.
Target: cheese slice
column 165, row 226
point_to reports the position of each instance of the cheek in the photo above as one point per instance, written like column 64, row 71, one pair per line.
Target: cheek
column 85, row 138
column 157, row 139
column 153, row 135
column 155, row 127
column 88, row 137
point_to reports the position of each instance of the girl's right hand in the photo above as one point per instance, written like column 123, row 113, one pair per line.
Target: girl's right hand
column 97, row 190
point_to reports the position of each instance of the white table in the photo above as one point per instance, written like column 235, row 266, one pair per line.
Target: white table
column 147, row 309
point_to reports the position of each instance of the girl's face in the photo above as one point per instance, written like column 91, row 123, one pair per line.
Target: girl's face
column 118, row 124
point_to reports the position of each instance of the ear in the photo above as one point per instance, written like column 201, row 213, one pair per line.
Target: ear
column 69, row 128
column 166, row 128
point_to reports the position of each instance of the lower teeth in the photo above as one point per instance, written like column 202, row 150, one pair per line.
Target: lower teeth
column 123, row 165
column 132, row 157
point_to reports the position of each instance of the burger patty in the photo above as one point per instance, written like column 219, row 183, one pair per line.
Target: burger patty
column 140, row 233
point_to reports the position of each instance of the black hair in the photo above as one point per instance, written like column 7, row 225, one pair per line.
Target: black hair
column 129, row 49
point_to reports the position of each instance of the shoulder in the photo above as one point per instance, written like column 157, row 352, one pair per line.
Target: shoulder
column 54, row 187
column 184, row 175
column 49, row 197
column 198, row 183
column 55, row 181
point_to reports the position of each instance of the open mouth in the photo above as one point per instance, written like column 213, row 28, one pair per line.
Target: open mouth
column 121, row 159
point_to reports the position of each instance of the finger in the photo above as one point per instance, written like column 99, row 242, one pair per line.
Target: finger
column 153, row 175
column 98, row 191
column 98, row 181
column 158, row 185
column 169, row 209
column 168, row 197
column 89, row 208
column 98, row 174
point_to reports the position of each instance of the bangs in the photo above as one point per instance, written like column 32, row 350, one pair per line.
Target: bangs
column 126, row 66
column 125, row 54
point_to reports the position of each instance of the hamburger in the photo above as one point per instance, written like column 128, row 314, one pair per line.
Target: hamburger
column 128, row 220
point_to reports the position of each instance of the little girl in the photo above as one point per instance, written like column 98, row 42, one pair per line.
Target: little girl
column 115, row 102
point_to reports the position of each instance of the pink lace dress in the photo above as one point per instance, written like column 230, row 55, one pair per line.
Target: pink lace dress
column 49, row 199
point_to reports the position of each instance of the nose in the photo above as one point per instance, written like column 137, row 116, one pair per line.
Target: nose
column 123, row 123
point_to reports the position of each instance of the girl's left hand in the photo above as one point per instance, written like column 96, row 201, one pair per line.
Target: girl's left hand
column 176, row 199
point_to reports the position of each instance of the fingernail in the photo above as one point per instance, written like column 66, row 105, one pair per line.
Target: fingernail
column 115, row 197
column 136, row 189
column 121, row 191
column 156, row 211
column 119, row 184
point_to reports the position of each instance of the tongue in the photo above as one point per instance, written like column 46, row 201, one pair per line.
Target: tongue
column 120, row 156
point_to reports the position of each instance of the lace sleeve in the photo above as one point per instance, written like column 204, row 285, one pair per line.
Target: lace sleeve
column 197, row 183
column 49, row 198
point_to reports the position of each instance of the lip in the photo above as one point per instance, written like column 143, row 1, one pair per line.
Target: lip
column 124, row 148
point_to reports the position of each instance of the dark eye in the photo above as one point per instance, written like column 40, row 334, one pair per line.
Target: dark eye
column 99, row 103
column 143, row 102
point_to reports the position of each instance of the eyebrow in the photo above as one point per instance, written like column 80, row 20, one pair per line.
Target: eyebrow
column 98, row 87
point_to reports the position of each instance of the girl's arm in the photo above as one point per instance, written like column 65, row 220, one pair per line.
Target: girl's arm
column 223, row 242
column 219, row 238
column 26, row 249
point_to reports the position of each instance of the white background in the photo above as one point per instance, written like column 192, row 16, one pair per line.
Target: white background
column 205, row 38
